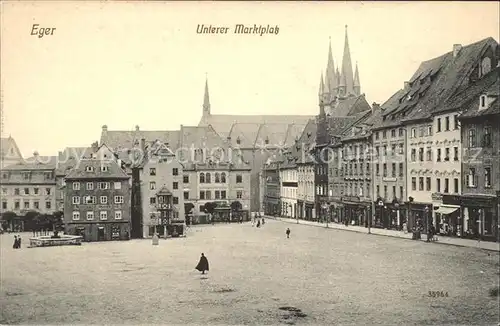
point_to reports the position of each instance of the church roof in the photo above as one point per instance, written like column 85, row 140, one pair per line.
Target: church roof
column 113, row 171
column 349, row 106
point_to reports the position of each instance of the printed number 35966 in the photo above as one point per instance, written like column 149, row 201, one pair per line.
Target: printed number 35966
column 438, row 294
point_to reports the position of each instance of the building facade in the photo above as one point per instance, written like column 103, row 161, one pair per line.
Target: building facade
column 9, row 152
column 289, row 187
column 28, row 186
column 272, row 194
column 97, row 201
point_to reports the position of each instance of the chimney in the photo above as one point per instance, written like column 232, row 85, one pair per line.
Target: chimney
column 375, row 107
column 104, row 128
column 36, row 155
column 406, row 86
column 456, row 49
column 136, row 128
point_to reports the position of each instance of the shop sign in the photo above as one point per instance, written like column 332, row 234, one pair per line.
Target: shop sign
column 350, row 198
column 451, row 200
column 477, row 201
column 436, row 196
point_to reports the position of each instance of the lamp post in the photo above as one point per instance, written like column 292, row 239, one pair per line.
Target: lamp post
column 426, row 210
column 380, row 204
column 396, row 205
column 325, row 212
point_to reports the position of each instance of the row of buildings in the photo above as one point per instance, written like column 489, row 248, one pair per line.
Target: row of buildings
column 428, row 155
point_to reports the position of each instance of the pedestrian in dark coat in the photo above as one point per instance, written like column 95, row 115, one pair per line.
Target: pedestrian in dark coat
column 288, row 233
column 202, row 264
column 15, row 245
column 19, row 242
column 258, row 223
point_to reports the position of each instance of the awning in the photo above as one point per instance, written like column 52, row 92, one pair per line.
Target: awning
column 446, row 210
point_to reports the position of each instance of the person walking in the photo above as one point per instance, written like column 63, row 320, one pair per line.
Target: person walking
column 18, row 242
column 202, row 264
column 15, row 245
column 288, row 233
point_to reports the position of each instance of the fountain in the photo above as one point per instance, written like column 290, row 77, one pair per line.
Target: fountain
column 55, row 240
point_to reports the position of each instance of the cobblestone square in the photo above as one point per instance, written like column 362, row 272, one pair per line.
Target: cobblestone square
column 257, row 276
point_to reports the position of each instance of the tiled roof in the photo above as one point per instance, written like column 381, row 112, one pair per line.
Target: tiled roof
column 350, row 106
column 300, row 152
column 245, row 134
column 223, row 123
column 294, row 131
column 113, row 170
column 128, row 139
column 448, row 73
column 200, row 137
column 6, row 144
column 361, row 130
column 274, row 133
column 471, row 109
column 34, row 163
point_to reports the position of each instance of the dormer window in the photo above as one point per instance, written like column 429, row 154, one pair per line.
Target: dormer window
column 89, row 169
column 482, row 102
column 485, row 66
column 104, row 169
column 238, row 140
column 267, row 140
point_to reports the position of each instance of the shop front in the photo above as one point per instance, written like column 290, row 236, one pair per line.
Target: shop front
column 479, row 215
column 272, row 206
column 446, row 217
column 419, row 215
column 104, row 231
column 309, row 211
column 356, row 212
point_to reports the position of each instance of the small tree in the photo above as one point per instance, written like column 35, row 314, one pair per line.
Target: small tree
column 236, row 206
column 8, row 218
column 210, row 207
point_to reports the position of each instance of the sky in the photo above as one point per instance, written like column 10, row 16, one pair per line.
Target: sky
column 123, row 64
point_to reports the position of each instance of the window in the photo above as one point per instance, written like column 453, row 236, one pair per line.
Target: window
column 439, row 125
column 223, row 177
column 103, row 215
column 401, row 132
column 104, row 200
column 186, row 194
column 455, row 122
column 487, row 177
column 455, row 153
column 239, row 178
column 75, row 200
column 413, row 133
column 207, row 178
column 152, row 185
column 455, row 185
column 47, row 191
column 413, row 183
column 76, row 216
column 385, row 150
column 421, row 154
column 401, row 170
column 385, row 169
column 438, row 159
column 393, row 150
column 26, row 204
column 239, row 194
column 76, row 185
column 89, row 169
column 16, row 204
column 428, row 184
column 152, row 200
column 377, row 151
column 471, row 178
column 48, row 205
column 377, row 135
column 16, row 191
column 202, row 195
column 103, row 185
column 446, row 154
column 185, row 179
column 421, row 131
column 175, row 185
column 26, row 175
column 152, row 171
column 487, row 137
column 446, row 185
column 377, row 169
column 104, row 168
column 429, row 130
column 89, row 200
column 378, row 191
column 438, row 185
column 393, row 191
column 447, row 123
column 4, row 191
column 413, row 154
column 202, row 177
column 217, row 194
column 384, row 134
column 36, row 204
column 117, row 185
column 208, row 195
column 118, row 215
column 175, row 200
column 26, row 191
column 472, row 138
column 385, row 192
column 393, row 133
column 119, row 199
column 223, row 194
column 90, row 186
column 217, row 177
column 401, row 148
column 429, row 154
column 401, row 192
column 421, row 183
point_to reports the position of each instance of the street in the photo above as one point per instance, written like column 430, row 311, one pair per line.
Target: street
column 318, row 276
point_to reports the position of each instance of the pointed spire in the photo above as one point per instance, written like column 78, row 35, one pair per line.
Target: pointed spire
column 330, row 70
column 206, row 97
column 321, row 86
column 357, row 84
column 347, row 66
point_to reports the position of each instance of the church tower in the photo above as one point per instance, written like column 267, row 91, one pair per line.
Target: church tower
column 206, row 100
column 357, row 84
column 347, row 76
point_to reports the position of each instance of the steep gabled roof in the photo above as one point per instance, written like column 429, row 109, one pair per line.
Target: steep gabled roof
column 9, row 149
column 244, row 133
column 349, row 106
column 471, row 107
column 128, row 139
column 80, row 170
column 34, row 163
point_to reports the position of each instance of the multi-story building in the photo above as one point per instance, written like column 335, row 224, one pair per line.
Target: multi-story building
column 272, row 195
column 289, row 185
column 29, row 186
column 357, row 194
column 304, row 151
column 480, row 127
column 9, row 152
column 160, row 170
column 97, row 200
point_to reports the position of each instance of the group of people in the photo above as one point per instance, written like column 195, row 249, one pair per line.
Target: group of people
column 17, row 242
column 259, row 222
